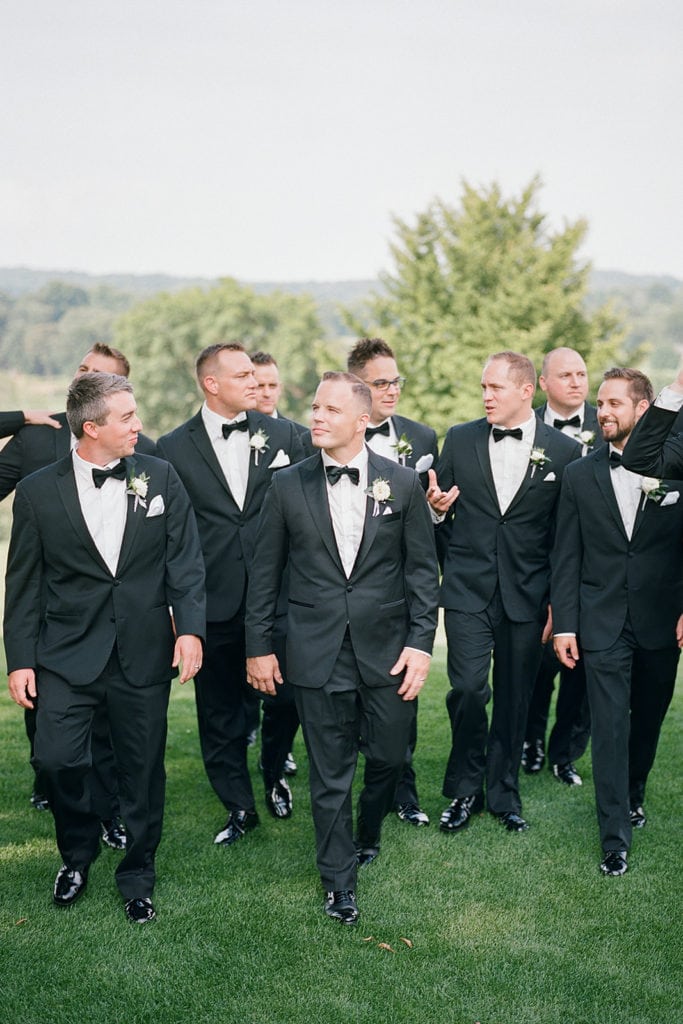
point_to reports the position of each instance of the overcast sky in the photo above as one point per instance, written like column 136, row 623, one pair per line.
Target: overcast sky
column 274, row 139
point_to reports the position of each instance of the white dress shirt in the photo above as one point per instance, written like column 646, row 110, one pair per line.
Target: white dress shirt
column 104, row 508
column 573, row 432
column 628, row 492
column 510, row 461
column 348, row 505
column 383, row 444
column 232, row 452
column 669, row 399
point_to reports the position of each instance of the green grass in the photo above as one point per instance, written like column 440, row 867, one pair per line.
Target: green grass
column 505, row 929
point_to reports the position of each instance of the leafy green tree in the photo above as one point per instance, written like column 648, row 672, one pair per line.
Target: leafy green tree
column 475, row 279
column 163, row 336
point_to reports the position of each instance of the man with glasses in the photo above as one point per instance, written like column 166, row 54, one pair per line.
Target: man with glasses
column 414, row 445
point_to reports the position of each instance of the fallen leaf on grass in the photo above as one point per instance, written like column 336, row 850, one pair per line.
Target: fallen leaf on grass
column 407, row 942
column 22, row 920
column 369, row 938
column 385, row 945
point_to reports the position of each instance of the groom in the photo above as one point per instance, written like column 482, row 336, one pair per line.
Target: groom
column 103, row 543
column 356, row 532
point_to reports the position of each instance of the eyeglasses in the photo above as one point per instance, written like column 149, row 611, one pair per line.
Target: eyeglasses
column 384, row 385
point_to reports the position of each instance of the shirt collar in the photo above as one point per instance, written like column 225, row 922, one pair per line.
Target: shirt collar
column 213, row 421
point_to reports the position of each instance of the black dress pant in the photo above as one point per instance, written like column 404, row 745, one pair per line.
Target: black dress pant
column 63, row 753
column 571, row 732
column 280, row 716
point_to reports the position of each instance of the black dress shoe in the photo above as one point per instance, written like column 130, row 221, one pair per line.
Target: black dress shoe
column 279, row 800
column 69, row 885
column 140, row 911
column 237, row 824
column 39, row 802
column 533, row 756
column 366, row 855
column 459, row 812
column 568, row 774
column 637, row 816
column 412, row 814
column 114, row 833
column 513, row 822
column 290, row 766
column 342, row 906
column 614, row 863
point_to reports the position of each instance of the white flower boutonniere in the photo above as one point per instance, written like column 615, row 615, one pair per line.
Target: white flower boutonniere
column 653, row 489
column 137, row 486
column 258, row 442
column 587, row 438
column 380, row 492
column 537, row 458
column 403, row 449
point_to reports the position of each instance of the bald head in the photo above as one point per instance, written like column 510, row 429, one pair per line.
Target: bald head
column 564, row 379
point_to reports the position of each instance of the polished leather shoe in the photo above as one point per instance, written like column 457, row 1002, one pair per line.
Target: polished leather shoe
column 341, row 905
column 290, row 766
column 140, row 911
column 533, row 756
column 637, row 816
column 568, row 774
column 279, row 800
column 114, row 833
column 69, row 885
column 237, row 824
column 366, row 855
column 39, row 802
column 513, row 822
column 614, row 863
column 412, row 814
column 458, row 813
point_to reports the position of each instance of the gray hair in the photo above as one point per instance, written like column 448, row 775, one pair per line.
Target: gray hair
column 86, row 399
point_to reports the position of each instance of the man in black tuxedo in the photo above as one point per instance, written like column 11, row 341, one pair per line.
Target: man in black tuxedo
column 103, row 542
column 227, row 455
column 356, row 532
column 32, row 448
column 496, row 580
column 411, row 444
column 617, row 596
column 564, row 379
column 655, row 446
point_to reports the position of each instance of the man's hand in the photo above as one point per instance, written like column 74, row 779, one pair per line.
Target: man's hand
column 416, row 665
column 440, row 500
column 263, row 673
column 677, row 385
column 188, row 654
column 22, row 686
column 41, row 418
column 548, row 628
column 679, row 631
column 566, row 650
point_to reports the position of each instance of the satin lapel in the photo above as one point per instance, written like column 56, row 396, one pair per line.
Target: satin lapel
column 134, row 517
column 371, row 524
column 481, row 447
column 315, row 493
column 66, row 488
column 200, row 439
column 256, row 422
column 602, row 470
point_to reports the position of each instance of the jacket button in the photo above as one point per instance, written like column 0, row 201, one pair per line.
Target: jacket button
column 349, row 589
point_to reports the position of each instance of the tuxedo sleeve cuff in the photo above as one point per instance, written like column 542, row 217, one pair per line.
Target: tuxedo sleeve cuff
column 564, row 634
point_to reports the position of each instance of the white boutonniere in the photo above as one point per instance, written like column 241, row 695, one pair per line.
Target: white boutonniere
column 587, row 438
column 403, row 449
column 258, row 442
column 653, row 490
column 538, row 458
column 137, row 486
column 380, row 492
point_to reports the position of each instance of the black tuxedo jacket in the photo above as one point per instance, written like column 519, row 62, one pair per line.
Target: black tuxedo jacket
column 590, row 422
column 390, row 599
column 600, row 576
column 34, row 447
column 10, row 423
column 64, row 608
column 487, row 548
column 655, row 446
column 227, row 533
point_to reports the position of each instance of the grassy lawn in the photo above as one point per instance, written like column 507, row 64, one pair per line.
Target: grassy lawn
column 504, row 929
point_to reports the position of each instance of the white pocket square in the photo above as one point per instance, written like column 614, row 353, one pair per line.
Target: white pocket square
column 281, row 459
column 424, row 463
column 671, row 498
column 387, row 511
column 156, row 507
column 550, row 476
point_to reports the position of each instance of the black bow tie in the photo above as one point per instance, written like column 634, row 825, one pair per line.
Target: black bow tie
column 228, row 428
column 100, row 475
column 614, row 460
column 382, row 429
column 335, row 473
column 499, row 434
column 575, row 421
